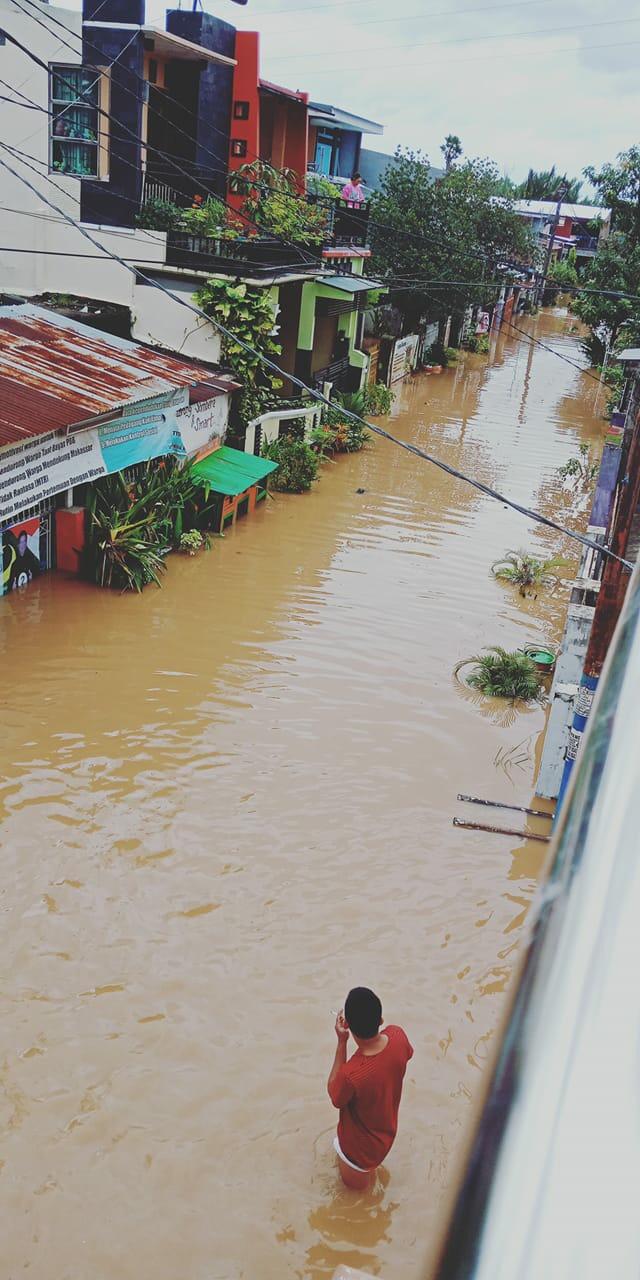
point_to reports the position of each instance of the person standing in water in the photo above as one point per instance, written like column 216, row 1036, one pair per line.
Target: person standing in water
column 367, row 1088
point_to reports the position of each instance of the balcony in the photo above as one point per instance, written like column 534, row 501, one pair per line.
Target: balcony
column 347, row 223
column 255, row 256
column 586, row 245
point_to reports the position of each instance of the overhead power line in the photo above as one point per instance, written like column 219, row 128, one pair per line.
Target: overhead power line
column 433, row 44
column 485, row 57
column 355, row 4
column 405, row 17
column 170, row 160
column 418, row 237
column 316, row 395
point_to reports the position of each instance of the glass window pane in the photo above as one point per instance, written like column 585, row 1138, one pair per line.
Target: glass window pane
column 68, row 83
column 79, row 159
column 75, row 122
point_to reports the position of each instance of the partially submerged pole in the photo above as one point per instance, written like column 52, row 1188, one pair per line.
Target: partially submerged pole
column 500, row 831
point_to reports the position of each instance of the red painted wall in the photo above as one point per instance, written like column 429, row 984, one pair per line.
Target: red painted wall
column 245, row 89
column 284, row 141
column 70, row 538
column 565, row 227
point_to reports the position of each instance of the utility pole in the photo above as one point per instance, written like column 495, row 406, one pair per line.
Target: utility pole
column 561, row 193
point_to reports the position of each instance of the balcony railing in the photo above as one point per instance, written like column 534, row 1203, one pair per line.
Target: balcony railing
column 179, row 185
column 347, row 222
column 337, row 373
column 247, row 255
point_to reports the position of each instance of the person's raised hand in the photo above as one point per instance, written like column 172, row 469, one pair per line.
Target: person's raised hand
column 342, row 1030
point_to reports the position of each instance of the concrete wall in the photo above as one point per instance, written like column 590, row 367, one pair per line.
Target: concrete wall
column 158, row 320
column 215, row 91
column 373, row 166
column 564, row 691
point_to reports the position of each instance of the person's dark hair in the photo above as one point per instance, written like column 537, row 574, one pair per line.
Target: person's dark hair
column 22, row 534
column 363, row 1013
column 356, row 177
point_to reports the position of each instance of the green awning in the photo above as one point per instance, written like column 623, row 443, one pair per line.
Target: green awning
column 350, row 284
column 230, row 472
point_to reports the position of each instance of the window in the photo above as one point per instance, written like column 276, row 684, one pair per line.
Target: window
column 239, row 148
column 77, row 142
column 241, row 110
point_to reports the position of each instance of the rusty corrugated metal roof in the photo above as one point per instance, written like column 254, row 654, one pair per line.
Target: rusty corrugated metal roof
column 57, row 373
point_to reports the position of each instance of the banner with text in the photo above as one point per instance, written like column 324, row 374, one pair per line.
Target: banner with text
column 42, row 466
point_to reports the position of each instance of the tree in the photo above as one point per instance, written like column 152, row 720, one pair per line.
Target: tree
column 544, row 184
column 563, row 274
column 452, row 229
column 451, row 150
column 618, row 186
column 612, row 320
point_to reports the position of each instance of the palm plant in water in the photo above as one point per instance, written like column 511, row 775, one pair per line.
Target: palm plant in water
column 526, row 572
column 499, row 673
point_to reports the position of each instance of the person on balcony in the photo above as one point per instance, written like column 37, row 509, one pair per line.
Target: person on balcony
column 352, row 190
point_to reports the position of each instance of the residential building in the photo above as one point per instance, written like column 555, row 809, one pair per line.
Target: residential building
column 374, row 164
column 268, row 122
column 598, row 593
column 79, row 405
column 576, row 227
column 132, row 115
column 335, row 140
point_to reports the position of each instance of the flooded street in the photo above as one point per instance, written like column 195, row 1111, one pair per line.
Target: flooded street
column 226, row 802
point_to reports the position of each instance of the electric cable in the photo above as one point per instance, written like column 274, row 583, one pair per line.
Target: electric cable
column 405, row 286
column 474, row 253
column 493, row 57
column 432, row 44
column 313, row 261
column 407, row 17
column 317, row 395
column 171, row 160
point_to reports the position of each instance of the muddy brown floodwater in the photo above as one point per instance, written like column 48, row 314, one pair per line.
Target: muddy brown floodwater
column 227, row 801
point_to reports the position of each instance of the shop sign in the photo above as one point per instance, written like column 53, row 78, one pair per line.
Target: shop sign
column 201, row 426
column 404, row 357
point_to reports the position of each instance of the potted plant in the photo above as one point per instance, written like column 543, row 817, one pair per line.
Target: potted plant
column 191, row 542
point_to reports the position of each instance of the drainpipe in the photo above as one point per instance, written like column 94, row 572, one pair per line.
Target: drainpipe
column 613, row 588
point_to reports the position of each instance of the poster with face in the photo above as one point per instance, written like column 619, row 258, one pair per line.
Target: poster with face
column 20, row 554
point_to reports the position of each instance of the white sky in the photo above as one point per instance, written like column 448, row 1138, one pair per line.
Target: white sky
column 569, row 94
